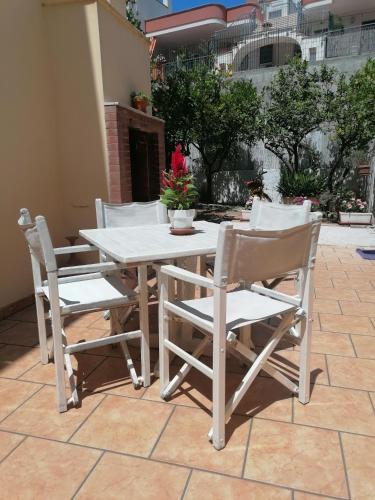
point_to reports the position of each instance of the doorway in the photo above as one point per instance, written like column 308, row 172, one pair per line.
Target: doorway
column 144, row 163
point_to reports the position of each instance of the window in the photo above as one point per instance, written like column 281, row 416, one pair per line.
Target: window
column 266, row 55
column 312, row 54
column 273, row 14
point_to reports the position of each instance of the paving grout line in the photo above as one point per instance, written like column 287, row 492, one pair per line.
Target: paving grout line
column 354, row 349
column 371, row 401
column 162, row 431
column 85, row 419
column 344, row 464
column 246, row 449
column 11, row 451
column 317, row 494
column 21, row 404
column 326, row 364
column 87, row 475
column 184, row 491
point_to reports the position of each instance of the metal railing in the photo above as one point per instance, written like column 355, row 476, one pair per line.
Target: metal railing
column 254, row 47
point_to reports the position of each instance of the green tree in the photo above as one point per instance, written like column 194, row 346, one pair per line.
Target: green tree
column 204, row 109
column 295, row 103
column 352, row 120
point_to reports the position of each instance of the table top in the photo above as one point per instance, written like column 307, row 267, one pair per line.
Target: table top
column 136, row 244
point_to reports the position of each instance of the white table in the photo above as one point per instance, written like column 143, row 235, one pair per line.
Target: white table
column 139, row 246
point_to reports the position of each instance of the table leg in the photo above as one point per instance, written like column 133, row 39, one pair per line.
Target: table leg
column 144, row 324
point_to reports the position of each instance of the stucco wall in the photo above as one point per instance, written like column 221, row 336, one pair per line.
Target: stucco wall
column 124, row 57
column 29, row 158
column 75, row 63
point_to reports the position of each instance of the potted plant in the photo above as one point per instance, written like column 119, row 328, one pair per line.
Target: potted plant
column 294, row 185
column 256, row 188
column 354, row 211
column 178, row 192
column 140, row 101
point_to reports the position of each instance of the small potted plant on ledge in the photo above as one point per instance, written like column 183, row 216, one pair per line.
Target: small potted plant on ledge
column 353, row 210
column 256, row 188
column 140, row 101
column 178, row 192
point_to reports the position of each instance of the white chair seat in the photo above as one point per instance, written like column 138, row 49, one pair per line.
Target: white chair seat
column 108, row 291
column 243, row 307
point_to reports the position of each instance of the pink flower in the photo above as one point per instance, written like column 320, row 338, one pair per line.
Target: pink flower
column 349, row 205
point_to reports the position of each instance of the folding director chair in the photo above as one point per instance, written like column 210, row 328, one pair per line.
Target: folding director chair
column 248, row 256
column 72, row 290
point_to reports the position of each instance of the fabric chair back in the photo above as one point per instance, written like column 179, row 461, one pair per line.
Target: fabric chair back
column 254, row 255
column 265, row 215
column 38, row 240
column 130, row 214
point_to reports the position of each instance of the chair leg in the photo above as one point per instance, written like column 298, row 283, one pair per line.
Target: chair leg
column 144, row 325
column 163, row 335
column 218, row 383
column 304, row 364
column 41, row 329
column 58, row 351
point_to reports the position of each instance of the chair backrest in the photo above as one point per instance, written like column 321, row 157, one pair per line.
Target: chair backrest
column 130, row 214
column 252, row 255
column 38, row 240
column 266, row 215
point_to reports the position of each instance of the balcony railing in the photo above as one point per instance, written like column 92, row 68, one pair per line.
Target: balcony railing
column 269, row 47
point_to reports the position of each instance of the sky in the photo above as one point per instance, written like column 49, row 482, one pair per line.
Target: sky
column 188, row 4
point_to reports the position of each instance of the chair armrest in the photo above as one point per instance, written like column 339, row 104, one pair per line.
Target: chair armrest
column 100, row 267
column 188, row 276
column 75, row 249
column 274, row 294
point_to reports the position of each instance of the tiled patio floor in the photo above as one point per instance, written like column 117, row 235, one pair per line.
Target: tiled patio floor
column 123, row 443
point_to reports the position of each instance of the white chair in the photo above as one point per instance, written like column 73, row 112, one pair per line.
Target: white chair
column 71, row 290
column 242, row 256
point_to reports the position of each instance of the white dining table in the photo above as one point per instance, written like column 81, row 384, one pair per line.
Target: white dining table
column 140, row 246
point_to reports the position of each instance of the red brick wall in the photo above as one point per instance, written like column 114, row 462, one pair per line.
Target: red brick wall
column 118, row 120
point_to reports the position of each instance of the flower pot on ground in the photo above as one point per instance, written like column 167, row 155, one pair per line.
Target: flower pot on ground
column 354, row 211
column 178, row 192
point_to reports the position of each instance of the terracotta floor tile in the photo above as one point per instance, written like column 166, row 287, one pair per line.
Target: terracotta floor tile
column 25, row 334
column 185, row 442
column 8, row 442
column 354, row 283
column 15, row 360
column 336, row 294
column 118, row 476
column 288, row 362
column 83, row 364
column 353, row 373
column 217, row 487
column 302, row 457
column 112, row 377
column 39, row 468
column 367, row 296
column 326, row 306
column 332, row 266
column 337, row 409
column 321, row 281
column 13, row 393
column 28, row 314
column 359, row 454
column 82, row 320
column 364, row 346
column 346, row 324
column 350, row 308
column 76, row 334
column 39, row 416
column 332, row 343
column 131, row 425
column 5, row 324
column 299, row 495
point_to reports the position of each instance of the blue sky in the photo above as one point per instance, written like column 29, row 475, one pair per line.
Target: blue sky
column 188, row 4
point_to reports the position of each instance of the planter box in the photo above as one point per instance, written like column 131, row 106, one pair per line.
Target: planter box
column 355, row 218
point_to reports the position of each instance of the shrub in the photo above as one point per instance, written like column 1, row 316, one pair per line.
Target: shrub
column 297, row 184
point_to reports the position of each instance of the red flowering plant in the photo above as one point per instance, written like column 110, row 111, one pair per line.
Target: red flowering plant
column 178, row 190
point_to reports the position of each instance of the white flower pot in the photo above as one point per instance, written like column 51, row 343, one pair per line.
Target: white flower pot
column 245, row 214
column 354, row 218
column 181, row 219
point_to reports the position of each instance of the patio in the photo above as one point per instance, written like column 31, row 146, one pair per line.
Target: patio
column 128, row 443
